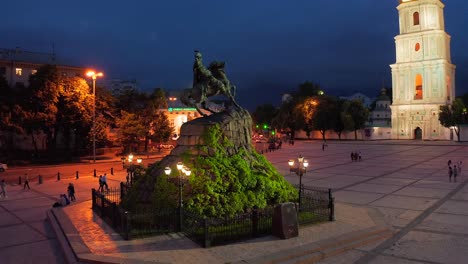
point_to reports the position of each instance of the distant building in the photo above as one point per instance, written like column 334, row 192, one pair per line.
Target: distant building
column 381, row 116
column 17, row 65
column 177, row 112
column 365, row 100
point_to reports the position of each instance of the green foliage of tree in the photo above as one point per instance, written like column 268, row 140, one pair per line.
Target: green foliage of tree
column 264, row 114
column 131, row 130
column 344, row 121
column 147, row 108
column 453, row 115
column 224, row 184
column 358, row 115
column 220, row 184
column 324, row 117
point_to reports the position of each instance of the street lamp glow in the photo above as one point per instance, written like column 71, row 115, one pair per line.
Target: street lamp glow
column 139, row 160
column 291, row 162
column 167, row 170
column 188, row 172
column 180, row 165
column 305, row 164
column 93, row 76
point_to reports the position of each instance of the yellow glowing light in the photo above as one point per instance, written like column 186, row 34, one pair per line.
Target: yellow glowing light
column 93, row 74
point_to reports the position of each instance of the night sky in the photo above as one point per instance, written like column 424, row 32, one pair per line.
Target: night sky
column 269, row 46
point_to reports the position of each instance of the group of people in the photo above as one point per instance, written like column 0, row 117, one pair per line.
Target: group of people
column 356, row 156
column 65, row 199
column 103, row 183
column 455, row 171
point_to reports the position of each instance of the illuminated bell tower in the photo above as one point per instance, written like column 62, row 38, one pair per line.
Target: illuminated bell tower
column 423, row 77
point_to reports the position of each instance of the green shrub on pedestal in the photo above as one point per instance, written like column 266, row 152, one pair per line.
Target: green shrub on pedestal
column 223, row 184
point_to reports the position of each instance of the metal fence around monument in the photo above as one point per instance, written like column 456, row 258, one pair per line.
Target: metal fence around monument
column 317, row 205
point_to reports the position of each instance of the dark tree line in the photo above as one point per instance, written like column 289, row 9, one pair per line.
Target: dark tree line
column 308, row 109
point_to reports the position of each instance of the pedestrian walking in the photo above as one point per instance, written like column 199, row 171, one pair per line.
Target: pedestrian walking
column 459, row 166
column 449, row 163
column 455, row 172
column 359, row 156
column 71, row 192
column 352, row 156
column 450, row 172
column 101, row 184
column 323, row 146
column 3, row 189
column 26, row 182
column 104, row 181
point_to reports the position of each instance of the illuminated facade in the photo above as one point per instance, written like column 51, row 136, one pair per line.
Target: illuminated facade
column 423, row 76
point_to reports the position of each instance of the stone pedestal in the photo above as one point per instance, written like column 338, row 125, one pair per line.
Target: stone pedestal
column 285, row 223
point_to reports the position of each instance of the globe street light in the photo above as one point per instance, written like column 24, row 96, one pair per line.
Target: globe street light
column 300, row 170
column 93, row 76
column 183, row 171
column 131, row 167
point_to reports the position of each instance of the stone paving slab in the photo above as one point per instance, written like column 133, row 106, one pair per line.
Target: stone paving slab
column 356, row 197
column 19, row 234
column 392, row 181
column 454, row 207
column 436, row 184
column 32, row 214
column 381, row 259
column 45, row 251
column 446, row 223
column 432, row 247
column 422, row 192
column 374, row 188
column 404, row 202
column 15, row 205
column 397, row 217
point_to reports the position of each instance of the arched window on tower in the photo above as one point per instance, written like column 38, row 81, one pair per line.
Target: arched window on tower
column 416, row 18
column 419, row 85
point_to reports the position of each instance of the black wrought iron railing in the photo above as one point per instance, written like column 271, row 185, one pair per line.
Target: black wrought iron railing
column 317, row 205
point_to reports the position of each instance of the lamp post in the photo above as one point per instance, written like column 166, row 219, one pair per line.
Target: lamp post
column 131, row 166
column 300, row 170
column 183, row 171
column 93, row 76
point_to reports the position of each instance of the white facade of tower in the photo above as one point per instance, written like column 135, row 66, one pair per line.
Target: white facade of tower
column 423, row 77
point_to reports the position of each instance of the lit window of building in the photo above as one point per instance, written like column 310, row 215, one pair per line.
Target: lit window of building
column 19, row 71
column 33, row 72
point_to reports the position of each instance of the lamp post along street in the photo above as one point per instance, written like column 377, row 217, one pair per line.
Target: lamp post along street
column 300, row 170
column 93, row 76
column 183, row 171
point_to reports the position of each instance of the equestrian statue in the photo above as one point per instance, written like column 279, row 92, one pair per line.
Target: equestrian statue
column 207, row 82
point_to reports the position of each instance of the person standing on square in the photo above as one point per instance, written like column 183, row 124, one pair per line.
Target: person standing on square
column 3, row 189
column 26, row 182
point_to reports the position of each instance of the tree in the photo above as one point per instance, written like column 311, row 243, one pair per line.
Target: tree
column 358, row 113
column 43, row 93
column 286, row 119
column 453, row 115
column 264, row 114
column 131, row 130
column 324, row 117
column 343, row 119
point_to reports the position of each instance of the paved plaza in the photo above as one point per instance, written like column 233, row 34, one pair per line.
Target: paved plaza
column 395, row 206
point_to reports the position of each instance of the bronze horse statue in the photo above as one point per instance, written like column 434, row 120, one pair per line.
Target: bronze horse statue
column 206, row 83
